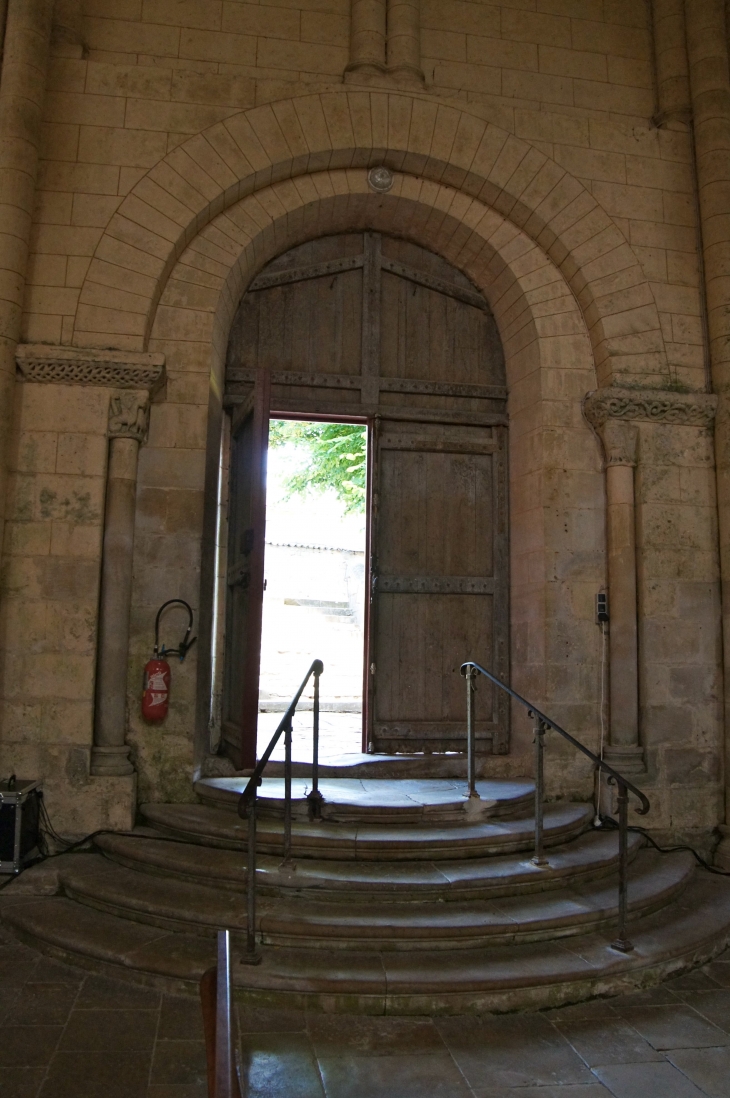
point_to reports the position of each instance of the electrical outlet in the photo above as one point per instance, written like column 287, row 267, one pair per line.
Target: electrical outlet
column 601, row 607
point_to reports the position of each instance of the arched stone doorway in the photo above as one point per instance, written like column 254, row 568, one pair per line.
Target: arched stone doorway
column 369, row 326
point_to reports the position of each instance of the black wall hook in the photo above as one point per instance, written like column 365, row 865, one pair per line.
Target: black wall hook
column 185, row 645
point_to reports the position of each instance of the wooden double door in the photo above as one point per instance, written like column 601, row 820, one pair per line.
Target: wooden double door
column 368, row 328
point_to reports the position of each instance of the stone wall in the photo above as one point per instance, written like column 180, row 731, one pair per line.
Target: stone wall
column 185, row 144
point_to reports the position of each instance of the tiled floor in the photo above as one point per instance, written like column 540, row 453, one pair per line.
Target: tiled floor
column 68, row 1034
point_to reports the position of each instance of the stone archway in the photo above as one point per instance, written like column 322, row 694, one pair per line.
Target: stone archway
column 411, row 134
column 556, row 479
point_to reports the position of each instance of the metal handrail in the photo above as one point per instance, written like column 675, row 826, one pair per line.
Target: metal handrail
column 247, row 800
column 218, row 1026
column 542, row 725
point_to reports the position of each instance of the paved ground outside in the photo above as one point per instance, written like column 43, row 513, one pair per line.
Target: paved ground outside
column 67, row 1034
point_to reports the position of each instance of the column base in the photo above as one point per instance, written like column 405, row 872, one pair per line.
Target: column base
column 627, row 759
column 111, row 761
column 722, row 855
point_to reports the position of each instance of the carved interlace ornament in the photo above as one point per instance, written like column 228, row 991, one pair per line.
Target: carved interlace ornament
column 129, row 415
column 654, row 405
column 40, row 362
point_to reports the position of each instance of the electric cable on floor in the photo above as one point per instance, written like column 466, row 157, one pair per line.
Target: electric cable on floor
column 609, row 824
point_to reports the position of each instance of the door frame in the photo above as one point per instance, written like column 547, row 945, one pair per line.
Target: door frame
column 369, row 423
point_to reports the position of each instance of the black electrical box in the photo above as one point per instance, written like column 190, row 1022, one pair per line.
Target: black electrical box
column 19, row 819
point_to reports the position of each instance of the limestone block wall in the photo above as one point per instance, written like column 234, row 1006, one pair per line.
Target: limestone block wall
column 530, row 159
column 679, row 631
column 49, row 602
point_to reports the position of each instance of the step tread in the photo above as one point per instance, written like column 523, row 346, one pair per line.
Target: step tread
column 213, row 825
column 592, row 852
column 94, row 880
column 403, row 798
column 689, row 931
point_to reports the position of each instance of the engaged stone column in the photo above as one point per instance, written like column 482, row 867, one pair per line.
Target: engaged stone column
column 707, row 52
column 624, row 751
column 367, row 37
column 670, row 61
column 128, row 415
column 404, row 38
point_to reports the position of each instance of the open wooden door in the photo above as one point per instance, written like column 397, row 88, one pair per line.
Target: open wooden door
column 438, row 584
column 245, row 573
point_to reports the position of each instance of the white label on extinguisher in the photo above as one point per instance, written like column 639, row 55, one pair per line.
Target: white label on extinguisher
column 158, row 699
column 157, row 681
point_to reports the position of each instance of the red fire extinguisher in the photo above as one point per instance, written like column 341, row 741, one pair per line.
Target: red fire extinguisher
column 156, row 688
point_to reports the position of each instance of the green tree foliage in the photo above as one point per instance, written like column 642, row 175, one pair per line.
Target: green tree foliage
column 336, row 458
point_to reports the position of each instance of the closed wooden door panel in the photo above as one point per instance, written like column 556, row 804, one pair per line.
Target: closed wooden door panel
column 420, row 695
column 439, row 584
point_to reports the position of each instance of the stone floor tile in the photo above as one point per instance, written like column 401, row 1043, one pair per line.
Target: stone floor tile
column 107, row 1074
column 44, row 1004
column 16, row 966
column 279, row 1065
column 608, row 1041
column 707, row 1068
column 675, row 1026
column 569, row 1090
column 8, row 998
column 181, row 1019
column 719, row 971
column 113, row 1029
column 264, row 1020
column 181, row 1090
column 179, row 1062
column 28, row 1046
column 713, row 1005
column 512, row 1051
column 48, row 971
column 333, row 1035
column 658, row 1080
column 100, row 991
column 21, row 1082
column 698, row 980
column 653, row 996
column 433, row 1075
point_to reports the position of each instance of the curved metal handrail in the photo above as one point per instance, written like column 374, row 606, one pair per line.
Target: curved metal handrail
column 550, row 723
column 542, row 725
column 255, row 780
column 247, row 800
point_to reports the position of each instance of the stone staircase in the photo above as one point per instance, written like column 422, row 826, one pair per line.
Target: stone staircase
column 405, row 898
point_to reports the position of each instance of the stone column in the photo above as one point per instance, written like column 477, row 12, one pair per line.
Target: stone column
column 367, row 37
column 623, row 751
column 22, row 94
column 404, row 38
column 670, row 62
column 128, row 414
column 710, row 90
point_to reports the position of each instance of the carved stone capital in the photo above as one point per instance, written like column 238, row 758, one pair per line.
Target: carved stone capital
column 619, row 441
column 42, row 362
column 129, row 415
column 650, row 405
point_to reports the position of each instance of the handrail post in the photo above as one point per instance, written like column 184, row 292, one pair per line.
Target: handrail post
column 621, row 942
column 252, row 955
column 538, row 857
column 470, row 676
column 315, row 798
column 287, row 790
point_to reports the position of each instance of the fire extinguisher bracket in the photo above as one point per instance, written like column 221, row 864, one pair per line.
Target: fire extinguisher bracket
column 185, row 645
column 157, row 674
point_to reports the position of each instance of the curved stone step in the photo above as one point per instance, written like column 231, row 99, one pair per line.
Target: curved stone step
column 528, row 976
column 401, row 801
column 386, row 842
column 589, row 857
column 300, row 921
